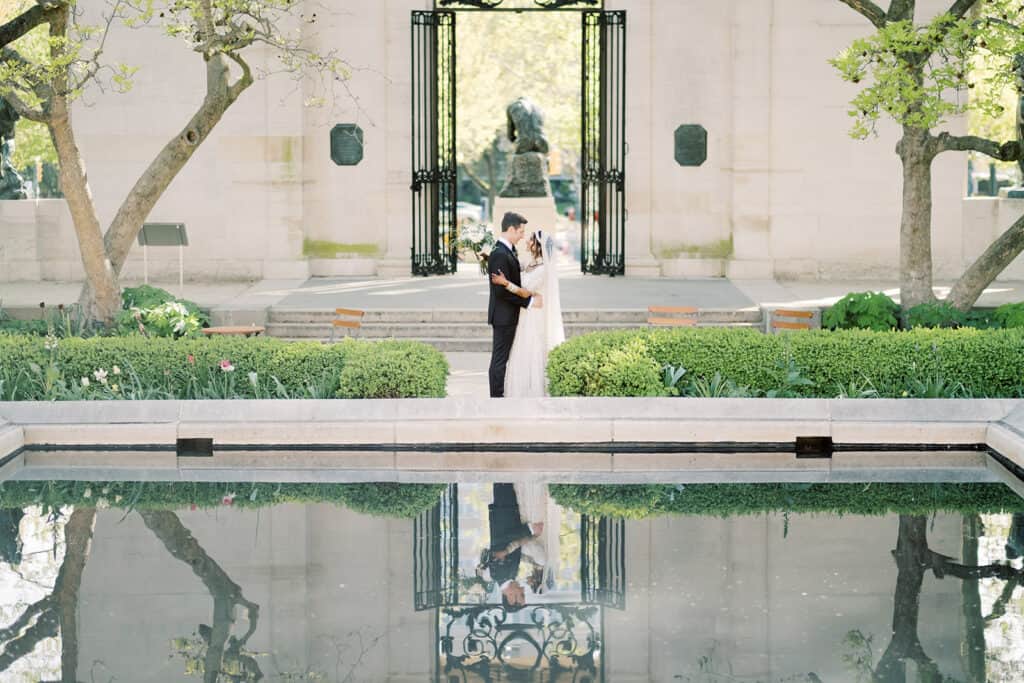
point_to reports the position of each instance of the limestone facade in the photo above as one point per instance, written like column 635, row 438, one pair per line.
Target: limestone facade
column 784, row 192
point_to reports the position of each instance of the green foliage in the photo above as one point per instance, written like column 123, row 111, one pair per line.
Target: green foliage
column 48, row 369
column 640, row 501
column 629, row 371
column 155, row 312
column 392, row 369
column 909, row 71
column 378, row 499
column 810, row 364
column 1009, row 315
column 866, row 310
column 935, row 314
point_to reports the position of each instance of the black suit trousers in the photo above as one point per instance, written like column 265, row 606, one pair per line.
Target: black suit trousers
column 500, row 348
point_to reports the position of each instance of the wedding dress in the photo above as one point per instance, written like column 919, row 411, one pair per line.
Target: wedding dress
column 535, row 505
column 539, row 329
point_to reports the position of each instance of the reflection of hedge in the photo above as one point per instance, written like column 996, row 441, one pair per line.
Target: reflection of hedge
column 626, row 362
column 723, row 500
column 379, row 499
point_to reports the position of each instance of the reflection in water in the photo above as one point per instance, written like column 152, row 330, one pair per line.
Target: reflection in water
column 317, row 592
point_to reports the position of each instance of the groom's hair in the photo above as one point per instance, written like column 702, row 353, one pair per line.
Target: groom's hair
column 511, row 219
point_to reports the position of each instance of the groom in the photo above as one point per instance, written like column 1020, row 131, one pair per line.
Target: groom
column 504, row 306
column 506, row 527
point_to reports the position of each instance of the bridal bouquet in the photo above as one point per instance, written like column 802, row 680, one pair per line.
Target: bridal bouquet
column 479, row 239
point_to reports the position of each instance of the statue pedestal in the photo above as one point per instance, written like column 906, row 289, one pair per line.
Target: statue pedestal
column 527, row 176
column 540, row 212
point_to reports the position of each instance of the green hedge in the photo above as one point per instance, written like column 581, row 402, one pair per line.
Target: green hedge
column 987, row 362
column 722, row 500
column 378, row 499
column 187, row 368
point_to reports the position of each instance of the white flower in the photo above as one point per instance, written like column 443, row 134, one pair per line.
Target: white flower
column 51, row 342
column 85, row 381
column 253, row 378
column 87, row 493
column 113, row 387
column 117, row 370
column 100, row 375
column 102, row 503
column 180, row 325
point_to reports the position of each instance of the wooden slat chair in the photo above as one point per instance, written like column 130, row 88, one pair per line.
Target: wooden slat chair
column 350, row 318
column 234, row 330
column 672, row 316
column 798, row 320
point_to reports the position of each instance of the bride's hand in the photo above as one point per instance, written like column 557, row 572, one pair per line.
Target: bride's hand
column 537, row 528
column 499, row 279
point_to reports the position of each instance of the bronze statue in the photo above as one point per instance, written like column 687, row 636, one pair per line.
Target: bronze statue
column 11, row 184
column 526, row 126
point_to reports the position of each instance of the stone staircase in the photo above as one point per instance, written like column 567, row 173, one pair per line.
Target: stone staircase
column 467, row 330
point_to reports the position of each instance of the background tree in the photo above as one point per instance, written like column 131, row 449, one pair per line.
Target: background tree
column 221, row 32
column 921, row 76
column 501, row 56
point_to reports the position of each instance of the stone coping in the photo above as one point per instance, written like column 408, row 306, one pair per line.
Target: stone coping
column 386, row 439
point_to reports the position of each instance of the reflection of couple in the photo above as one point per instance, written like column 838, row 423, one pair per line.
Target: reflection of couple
column 524, row 524
column 524, row 311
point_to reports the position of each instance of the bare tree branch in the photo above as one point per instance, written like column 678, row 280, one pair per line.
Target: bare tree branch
column 987, row 267
column 24, row 109
column 901, row 10
column 25, row 22
column 869, row 9
column 1006, row 151
column 961, row 7
column 480, row 182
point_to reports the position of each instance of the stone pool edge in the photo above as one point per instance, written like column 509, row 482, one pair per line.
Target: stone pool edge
column 382, row 437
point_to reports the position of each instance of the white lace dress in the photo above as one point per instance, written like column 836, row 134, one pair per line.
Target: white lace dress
column 535, row 505
column 525, row 375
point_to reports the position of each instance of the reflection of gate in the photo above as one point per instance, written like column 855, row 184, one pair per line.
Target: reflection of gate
column 433, row 143
column 603, row 154
column 436, row 553
column 603, row 561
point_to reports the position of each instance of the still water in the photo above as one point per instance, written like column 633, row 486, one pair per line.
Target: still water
column 285, row 582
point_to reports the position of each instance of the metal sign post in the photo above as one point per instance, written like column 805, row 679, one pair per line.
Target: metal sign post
column 164, row 235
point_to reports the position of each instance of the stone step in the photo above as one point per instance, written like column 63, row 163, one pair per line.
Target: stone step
column 635, row 316
column 454, row 331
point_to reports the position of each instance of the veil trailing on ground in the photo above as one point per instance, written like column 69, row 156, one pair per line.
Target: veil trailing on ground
column 552, row 298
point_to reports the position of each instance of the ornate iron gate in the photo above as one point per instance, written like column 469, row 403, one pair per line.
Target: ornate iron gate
column 435, row 550
column 603, row 561
column 433, row 143
column 603, row 152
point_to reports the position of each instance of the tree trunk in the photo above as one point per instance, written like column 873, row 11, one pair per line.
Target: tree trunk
column 916, row 220
column 77, row 542
column 492, row 181
column 220, row 94
column 987, row 267
column 104, row 294
column 974, row 622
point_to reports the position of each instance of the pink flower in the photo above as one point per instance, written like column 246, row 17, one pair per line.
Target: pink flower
column 229, row 499
column 191, row 359
column 226, row 366
column 193, row 506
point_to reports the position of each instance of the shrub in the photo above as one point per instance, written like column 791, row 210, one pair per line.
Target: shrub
column 33, row 368
column 867, row 310
column 935, row 314
column 158, row 313
column 392, row 369
column 1009, row 315
column 378, row 499
column 639, row 501
column 808, row 364
column 629, row 371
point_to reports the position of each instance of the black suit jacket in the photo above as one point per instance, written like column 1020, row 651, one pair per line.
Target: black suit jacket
column 505, row 527
column 504, row 306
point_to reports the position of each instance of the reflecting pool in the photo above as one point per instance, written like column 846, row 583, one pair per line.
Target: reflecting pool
column 506, row 581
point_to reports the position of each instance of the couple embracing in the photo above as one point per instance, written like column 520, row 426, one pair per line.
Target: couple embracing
column 524, row 311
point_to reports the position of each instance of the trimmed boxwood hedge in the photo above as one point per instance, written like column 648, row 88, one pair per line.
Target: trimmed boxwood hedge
column 378, row 499
column 989, row 363
column 417, row 369
column 640, row 501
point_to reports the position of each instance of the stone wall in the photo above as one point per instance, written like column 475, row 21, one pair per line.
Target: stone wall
column 785, row 192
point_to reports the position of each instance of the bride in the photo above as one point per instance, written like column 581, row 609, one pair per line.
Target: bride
column 539, row 330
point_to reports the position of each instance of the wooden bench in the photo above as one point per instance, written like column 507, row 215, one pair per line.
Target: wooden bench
column 350, row 318
column 672, row 316
column 235, row 330
column 799, row 320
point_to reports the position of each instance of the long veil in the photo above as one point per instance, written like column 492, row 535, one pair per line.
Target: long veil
column 555, row 332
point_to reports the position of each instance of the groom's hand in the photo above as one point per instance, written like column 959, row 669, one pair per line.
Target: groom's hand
column 538, row 301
